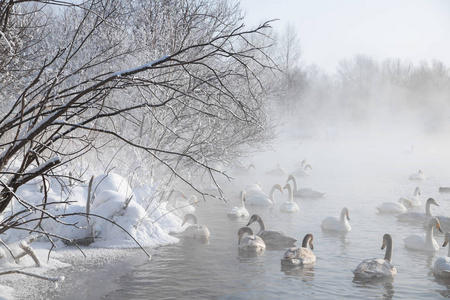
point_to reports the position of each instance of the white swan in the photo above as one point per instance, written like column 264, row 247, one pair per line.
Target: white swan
column 196, row 230
column 264, row 199
column 442, row 264
column 417, row 216
column 417, row 176
column 399, row 207
column 289, row 205
column 299, row 256
column 415, row 197
column 186, row 206
column 181, row 205
column 254, row 189
column 378, row 267
column 304, row 192
column 250, row 243
column 302, row 171
column 271, row 237
column 427, row 243
column 278, row 171
column 338, row 223
column 239, row 211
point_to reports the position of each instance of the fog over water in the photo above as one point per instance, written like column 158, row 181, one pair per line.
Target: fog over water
column 358, row 169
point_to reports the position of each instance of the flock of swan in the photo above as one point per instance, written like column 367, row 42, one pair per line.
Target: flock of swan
column 251, row 243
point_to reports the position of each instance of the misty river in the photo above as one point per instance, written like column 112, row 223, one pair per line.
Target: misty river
column 359, row 173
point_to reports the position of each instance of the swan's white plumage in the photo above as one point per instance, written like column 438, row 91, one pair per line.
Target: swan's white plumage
column 303, row 170
column 415, row 197
column 399, row 207
column 239, row 211
column 289, row 205
column 442, row 264
column 338, row 223
column 180, row 204
column 263, row 199
column 427, row 242
column 297, row 256
column 271, row 237
column 417, row 176
column 187, row 206
column 303, row 192
column 250, row 242
column 254, row 189
column 196, row 230
column 416, row 217
column 378, row 267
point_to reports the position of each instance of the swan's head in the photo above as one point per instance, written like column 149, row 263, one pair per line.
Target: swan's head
column 290, row 177
column 189, row 217
column 417, row 190
column 434, row 222
column 193, row 200
column 447, row 239
column 253, row 218
column 345, row 213
column 420, row 172
column 181, row 193
column 287, row 187
column 242, row 231
column 387, row 239
column 308, row 239
column 432, row 201
column 278, row 187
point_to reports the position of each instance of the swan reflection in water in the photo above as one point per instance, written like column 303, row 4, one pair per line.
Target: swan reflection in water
column 306, row 271
column 445, row 282
column 384, row 284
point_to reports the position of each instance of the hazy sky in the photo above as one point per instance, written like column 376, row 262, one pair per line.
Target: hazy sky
column 330, row 30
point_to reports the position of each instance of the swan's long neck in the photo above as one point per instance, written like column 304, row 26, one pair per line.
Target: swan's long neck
column 343, row 217
column 192, row 218
column 428, row 210
column 416, row 192
column 242, row 199
column 306, row 240
column 290, row 194
column 448, row 253
column 429, row 236
column 261, row 225
column 294, row 182
column 272, row 193
column 388, row 254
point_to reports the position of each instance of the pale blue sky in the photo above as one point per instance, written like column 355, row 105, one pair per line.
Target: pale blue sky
column 330, row 30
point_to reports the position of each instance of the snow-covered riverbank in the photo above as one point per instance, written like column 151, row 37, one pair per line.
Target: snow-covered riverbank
column 140, row 221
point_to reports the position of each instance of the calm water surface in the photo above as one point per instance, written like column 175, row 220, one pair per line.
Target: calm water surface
column 357, row 175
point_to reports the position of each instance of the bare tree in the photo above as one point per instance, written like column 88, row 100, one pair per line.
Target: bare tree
column 291, row 81
column 94, row 73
